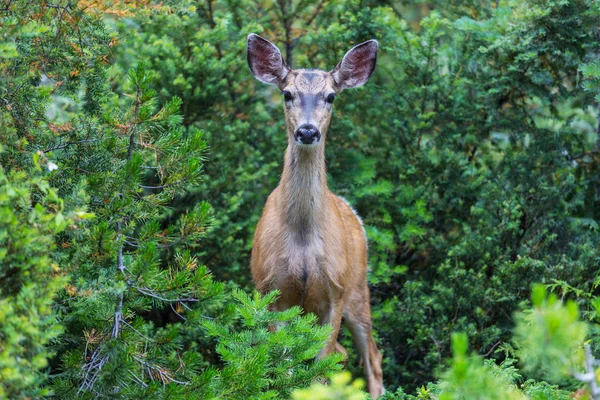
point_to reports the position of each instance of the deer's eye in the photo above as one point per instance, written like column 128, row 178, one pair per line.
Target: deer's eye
column 330, row 98
column 287, row 96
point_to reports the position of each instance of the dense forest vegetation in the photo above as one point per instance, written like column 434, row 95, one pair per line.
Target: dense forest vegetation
column 137, row 152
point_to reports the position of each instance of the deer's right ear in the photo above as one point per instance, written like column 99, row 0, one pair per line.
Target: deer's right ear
column 265, row 60
column 357, row 65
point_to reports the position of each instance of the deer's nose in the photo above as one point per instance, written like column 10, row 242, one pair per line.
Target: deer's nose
column 307, row 134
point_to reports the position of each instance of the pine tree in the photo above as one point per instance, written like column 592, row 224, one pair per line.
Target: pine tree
column 132, row 163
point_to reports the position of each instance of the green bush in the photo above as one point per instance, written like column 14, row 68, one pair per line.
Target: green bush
column 260, row 363
column 31, row 214
column 339, row 388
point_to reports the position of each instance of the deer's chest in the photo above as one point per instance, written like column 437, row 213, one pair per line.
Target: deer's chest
column 302, row 259
column 310, row 265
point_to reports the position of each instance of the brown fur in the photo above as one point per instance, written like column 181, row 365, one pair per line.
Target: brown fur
column 309, row 244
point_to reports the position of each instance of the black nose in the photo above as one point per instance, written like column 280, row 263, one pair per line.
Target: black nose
column 308, row 134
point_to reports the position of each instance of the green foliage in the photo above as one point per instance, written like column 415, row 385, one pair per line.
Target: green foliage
column 35, row 39
column 591, row 71
column 340, row 388
column 127, row 263
column 31, row 214
column 550, row 337
column 263, row 364
column 483, row 197
column 470, row 378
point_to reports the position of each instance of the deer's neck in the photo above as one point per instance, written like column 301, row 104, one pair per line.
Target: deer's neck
column 304, row 187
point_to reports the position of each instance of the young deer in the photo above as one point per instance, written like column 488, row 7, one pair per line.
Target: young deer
column 309, row 243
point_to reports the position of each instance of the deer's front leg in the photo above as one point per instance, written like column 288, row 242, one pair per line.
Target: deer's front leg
column 290, row 296
column 331, row 315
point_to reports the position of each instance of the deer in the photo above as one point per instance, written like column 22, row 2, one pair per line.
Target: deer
column 310, row 244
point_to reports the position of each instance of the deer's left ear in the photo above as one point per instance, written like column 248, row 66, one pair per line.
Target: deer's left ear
column 265, row 60
column 357, row 65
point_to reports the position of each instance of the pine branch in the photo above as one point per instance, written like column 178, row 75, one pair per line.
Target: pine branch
column 179, row 182
column 92, row 370
column 136, row 331
column 157, row 372
column 152, row 293
column 119, row 308
column 65, row 145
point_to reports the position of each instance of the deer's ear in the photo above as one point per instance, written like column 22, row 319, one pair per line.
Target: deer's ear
column 265, row 61
column 357, row 65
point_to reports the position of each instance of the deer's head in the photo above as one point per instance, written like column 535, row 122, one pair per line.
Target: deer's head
column 309, row 94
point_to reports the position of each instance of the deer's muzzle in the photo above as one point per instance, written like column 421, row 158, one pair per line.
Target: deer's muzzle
column 307, row 134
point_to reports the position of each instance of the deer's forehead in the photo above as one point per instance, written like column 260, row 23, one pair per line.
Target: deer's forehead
column 311, row 81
